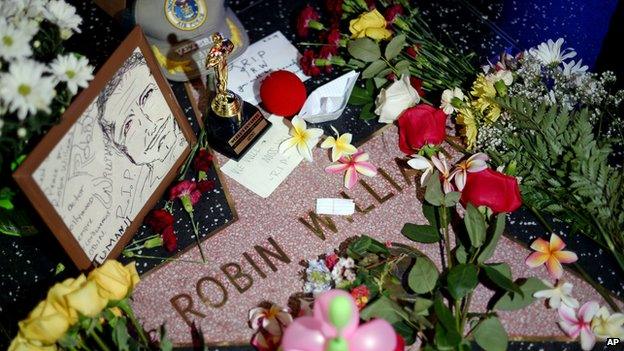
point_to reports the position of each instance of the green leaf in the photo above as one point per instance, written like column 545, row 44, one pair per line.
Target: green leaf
column 460, row 254
column 444, row 314
column 512, row 301
column 370, row 88
column 488, row 249
column 360, row 246
column 494, row 274
column 475, row 225
column 374, row 68
column 423, row 276
column 491, row 335
column 403, row 67
column 367, row 112
column 383, row 308
column 364, row 49
column 430, row 213
column 462, row 279
column 433, row 193
column 357, row 63
column 406, row 331
column 421, row 306
column 380, row 82
column 360, row 96
column 394, row 47
column 451, row 199
column 121, row 336
column 420, row 233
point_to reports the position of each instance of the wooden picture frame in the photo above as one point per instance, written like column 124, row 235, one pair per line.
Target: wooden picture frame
column 136, row 98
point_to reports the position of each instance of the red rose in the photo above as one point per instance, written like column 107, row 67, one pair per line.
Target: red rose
column 159, row 219
column 417, row 84
column 170, row 241
column 205, row 185
column 495, row 190
column 303, row 21
column 202, row 160
column 400, row 343
column 421, row 125
column 392, row 12
column 308, row 65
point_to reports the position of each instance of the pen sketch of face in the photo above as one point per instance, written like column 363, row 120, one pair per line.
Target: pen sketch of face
column 134, row 115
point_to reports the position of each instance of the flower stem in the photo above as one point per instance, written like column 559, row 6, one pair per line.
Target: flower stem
column 447, row 242
column 123, row 304
column 99, row 341
column 196, row 231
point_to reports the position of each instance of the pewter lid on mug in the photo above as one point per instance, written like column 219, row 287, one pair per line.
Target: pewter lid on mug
column 179, row 32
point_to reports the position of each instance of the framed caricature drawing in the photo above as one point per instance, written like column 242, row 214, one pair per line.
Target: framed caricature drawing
column 96, row 174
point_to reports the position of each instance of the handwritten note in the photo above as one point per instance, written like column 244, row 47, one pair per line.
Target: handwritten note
column 272, row 53
column 264, row 168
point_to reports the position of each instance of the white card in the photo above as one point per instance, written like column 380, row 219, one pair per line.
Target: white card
column 341, row 207
column 272, row 53
column 264, row 168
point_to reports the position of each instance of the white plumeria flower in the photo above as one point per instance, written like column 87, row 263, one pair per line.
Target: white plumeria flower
column 606, row 325
column 63, row 15
column 421, row 163
column 25, row 90
column 557, row 294
column 75, row 71
column 302, row 138
column 550, row 52
column 445, row 172
column 272, row 320
column 475, row 163
column 14, row 43
column 447, row 99
column 573, row 68
column 340, row 145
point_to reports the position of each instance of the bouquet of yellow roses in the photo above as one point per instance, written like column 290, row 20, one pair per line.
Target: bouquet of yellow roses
column 87, row 313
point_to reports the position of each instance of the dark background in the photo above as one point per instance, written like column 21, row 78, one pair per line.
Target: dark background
column 486, row 27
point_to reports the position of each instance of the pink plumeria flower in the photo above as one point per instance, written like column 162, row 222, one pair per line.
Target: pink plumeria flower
column 576, row 324
column 272, row 320
column 354, row 164
column 475, row 163
column 445, row 172
column 421, row 163
column 551, row 254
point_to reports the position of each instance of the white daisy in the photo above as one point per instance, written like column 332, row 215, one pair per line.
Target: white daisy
column 75, row 71
column 63, row 15
column 447, row 100
column 14, row 43
column 550, row 52
column 24, row 88
column 573, row 68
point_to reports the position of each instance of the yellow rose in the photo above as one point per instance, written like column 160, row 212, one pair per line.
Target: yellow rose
column 114, row 280
column 21, row 344
column 87, row 300
column 44, row 324
column 56, row 296
column 370, row 24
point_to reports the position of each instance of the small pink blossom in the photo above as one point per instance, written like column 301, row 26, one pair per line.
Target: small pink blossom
column 352, row 165
column 576, row 324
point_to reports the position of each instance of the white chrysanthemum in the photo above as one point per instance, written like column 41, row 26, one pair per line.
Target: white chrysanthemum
column 447, row 99
column 14, row 43
column 63, row 15
column 573, row 68
column 24, row 88
column 75, row 71
column 550, row 52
